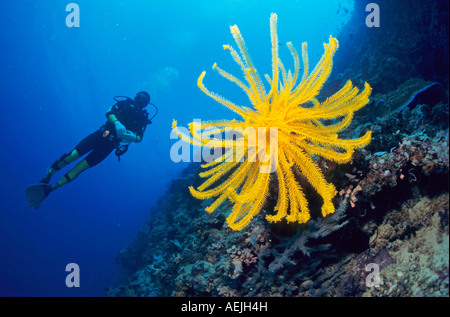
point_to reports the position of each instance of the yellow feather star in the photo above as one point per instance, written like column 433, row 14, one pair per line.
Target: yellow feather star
column 303, row 131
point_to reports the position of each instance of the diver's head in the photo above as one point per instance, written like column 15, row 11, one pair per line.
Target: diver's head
column 142, row 99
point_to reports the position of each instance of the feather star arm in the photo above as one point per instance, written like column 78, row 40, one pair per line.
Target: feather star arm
column 303, row 127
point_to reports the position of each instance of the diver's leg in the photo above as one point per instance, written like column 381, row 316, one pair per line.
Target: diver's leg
column 100, row 152
column 72, row 174
column 85, row 145
column 60, row 163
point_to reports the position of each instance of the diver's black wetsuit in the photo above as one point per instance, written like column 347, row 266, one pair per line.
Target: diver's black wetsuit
column 100, row 147
column 103, row 141
column 127, row 121
column 134, row 119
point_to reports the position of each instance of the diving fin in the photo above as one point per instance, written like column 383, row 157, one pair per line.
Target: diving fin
column 36, row 194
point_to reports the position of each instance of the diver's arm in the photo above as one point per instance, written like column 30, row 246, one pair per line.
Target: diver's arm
column 134, row 137
column 129, row 136
column 139, row 137
column 120, row 128
column 122, row 133
column 110, row 115
column 112, row 118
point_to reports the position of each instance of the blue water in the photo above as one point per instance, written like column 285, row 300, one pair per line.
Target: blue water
column 57, row 83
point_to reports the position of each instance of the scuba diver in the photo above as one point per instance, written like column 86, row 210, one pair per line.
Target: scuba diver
column 126, row 122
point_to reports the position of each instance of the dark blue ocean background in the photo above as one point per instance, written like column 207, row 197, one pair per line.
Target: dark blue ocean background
column 58, row 82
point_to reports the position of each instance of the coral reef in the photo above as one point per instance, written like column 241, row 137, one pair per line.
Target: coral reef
column 411, row 250
column 392, row 209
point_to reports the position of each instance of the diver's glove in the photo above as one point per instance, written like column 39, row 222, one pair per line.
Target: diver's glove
column 120, row 129
column 128, row 137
